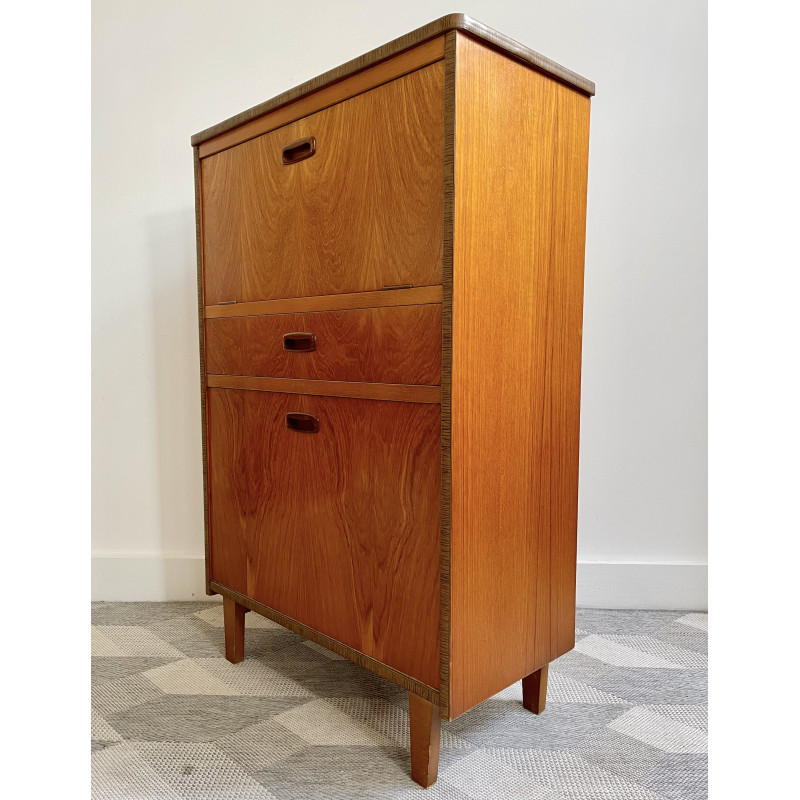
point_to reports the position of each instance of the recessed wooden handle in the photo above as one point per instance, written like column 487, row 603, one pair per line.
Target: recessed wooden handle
column 302, row 423
column 299, row 342
column 297, row 151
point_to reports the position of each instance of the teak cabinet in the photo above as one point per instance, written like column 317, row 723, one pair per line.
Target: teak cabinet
column 390, row 294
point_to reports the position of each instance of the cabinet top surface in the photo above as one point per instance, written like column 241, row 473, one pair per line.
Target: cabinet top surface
column 451, row 22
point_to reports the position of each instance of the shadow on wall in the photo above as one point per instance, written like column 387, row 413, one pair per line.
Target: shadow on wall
column 173, row 265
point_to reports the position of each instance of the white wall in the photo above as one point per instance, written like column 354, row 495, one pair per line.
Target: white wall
column 164, row 70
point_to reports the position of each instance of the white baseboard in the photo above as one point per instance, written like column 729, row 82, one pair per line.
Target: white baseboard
column 136, row 577
column 118, row 576
column 606, row 584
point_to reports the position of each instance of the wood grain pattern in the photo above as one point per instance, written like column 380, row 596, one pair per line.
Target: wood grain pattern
column 394, row 392
column 410, row 60
column 425, row 735
column 534, row 690
column 233, row 617
column 443, row 25
column 363, row 213
column 419, row 295
column 337, row 529
column 517, row 316
column 378, row 667
column 377, row 345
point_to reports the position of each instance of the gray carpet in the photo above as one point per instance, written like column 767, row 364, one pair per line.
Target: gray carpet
column 171, row 719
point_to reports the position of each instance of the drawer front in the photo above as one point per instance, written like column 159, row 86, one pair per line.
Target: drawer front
column 362, row 213
column 377, row 345
column 339, row 528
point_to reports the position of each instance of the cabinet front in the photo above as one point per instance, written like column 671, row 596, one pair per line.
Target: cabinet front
column 327, row 510
column 348, row 199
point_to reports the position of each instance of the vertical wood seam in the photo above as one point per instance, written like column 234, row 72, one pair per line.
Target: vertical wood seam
column 549, row 378
column 447, row 366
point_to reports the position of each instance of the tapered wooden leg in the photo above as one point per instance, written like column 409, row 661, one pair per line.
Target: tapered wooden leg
column 234, row 630
column 425, row 733
column 534, row 690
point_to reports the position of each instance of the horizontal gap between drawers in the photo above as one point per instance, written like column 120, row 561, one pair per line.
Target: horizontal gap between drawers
column 397, row 392
column 378, row 667
column 418, row 295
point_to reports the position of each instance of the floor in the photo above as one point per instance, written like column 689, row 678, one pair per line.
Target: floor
column 626, row 716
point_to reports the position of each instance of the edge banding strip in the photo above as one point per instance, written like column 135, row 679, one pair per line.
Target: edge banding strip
column 448, row 177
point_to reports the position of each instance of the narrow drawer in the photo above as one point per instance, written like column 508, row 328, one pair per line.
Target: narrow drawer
column 400, row 344
column 348, row 199
column 327, row 510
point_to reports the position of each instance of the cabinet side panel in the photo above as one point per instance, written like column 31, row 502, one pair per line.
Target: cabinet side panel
column 521, row 144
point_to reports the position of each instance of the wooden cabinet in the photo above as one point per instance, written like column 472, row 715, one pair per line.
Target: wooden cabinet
column 390, row 264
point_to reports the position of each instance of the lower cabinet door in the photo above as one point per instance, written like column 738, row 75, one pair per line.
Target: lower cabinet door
column 327, row 510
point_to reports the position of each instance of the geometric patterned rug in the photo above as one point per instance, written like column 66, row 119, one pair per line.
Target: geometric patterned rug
column 626, row 716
